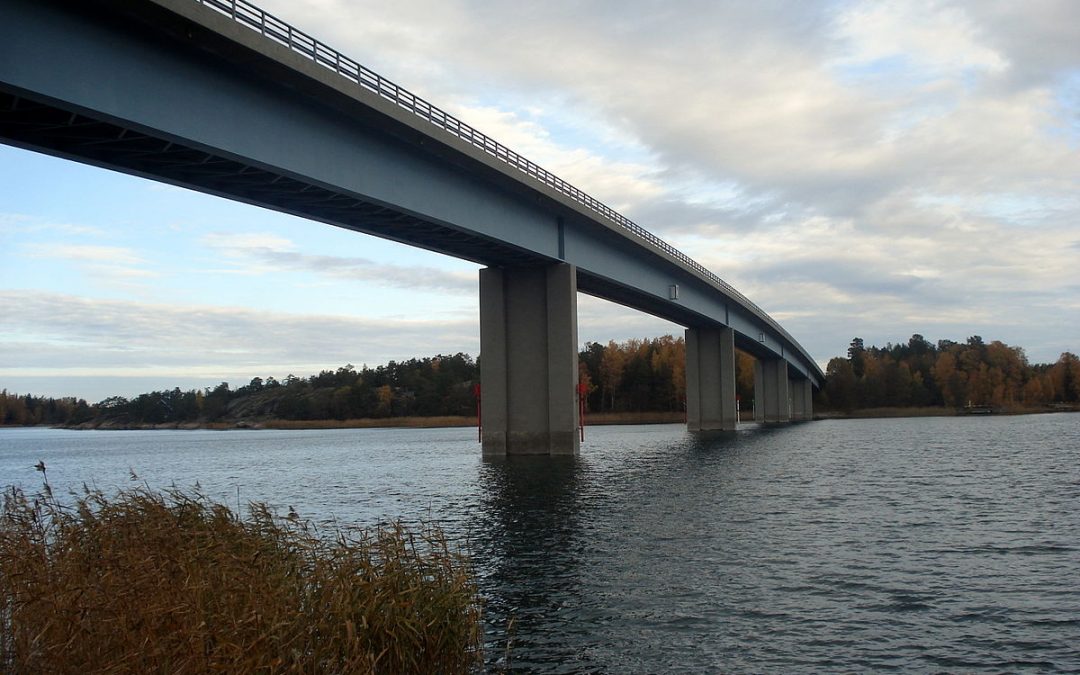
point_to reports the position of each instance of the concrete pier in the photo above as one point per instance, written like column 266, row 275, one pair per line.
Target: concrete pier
column 528, row 360
column 773, row 402
column 802, row 400
column 710, row 379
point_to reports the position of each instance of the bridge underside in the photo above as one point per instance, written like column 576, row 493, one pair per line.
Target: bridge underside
column 51, row 129
column 170, row 91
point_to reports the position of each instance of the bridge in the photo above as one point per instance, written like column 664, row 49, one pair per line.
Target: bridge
column 221, row 97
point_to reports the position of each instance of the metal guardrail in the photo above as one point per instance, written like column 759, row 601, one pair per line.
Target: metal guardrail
column 275, row 29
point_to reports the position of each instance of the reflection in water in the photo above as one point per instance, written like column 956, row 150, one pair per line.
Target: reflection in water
column 529, row 530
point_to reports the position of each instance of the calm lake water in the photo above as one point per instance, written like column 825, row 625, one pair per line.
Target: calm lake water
column 933, row 544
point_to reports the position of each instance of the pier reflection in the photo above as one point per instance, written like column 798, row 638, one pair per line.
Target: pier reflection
column 528, row 544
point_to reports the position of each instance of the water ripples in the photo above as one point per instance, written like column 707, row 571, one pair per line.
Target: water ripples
column 916, row 545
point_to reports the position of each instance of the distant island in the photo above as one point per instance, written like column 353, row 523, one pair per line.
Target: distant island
column 632, row 381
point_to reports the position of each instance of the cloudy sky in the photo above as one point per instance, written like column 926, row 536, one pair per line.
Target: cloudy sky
column 871, row 169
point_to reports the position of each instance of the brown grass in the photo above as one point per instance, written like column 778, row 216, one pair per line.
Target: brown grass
column 865, row 413
column 602, row 418
column 173, row 583
column 942, row 411
column 370, row 423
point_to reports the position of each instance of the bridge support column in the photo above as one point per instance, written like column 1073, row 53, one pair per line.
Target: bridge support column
column 798, row 404
column 808, row 400
column 802, row 399
column 710, row 379
column 528, row 360
column 771, row 398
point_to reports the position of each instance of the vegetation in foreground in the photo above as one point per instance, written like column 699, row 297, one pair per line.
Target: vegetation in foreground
column 150, row 582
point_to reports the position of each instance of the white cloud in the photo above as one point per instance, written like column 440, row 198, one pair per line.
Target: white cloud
column 45, row 333
column 85, row 253
column 110, row 265
column 929, row 36
column 21, row 224
column 237, row 244
column 262, row 253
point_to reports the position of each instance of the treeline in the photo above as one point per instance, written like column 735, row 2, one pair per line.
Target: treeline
column 637, row 375
column 647, row 375
column 950, row 374
column 427, row 387
column 439, row 385
column 19, row 410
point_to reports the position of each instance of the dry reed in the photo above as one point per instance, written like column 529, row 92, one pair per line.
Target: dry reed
column 150, row 582
column 658, row 417
column 373, row 423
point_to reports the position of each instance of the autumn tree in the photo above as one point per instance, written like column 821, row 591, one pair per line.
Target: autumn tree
column 612, row 364
column 954, row 374
column 1066, row 376
column 840, row 384
column 744, row 379
column 856, row 352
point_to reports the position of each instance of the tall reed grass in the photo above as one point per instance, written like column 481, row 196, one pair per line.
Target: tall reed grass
column 172, row 582
column 373, row 423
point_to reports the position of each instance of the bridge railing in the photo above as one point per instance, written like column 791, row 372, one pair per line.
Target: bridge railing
column 275, row 29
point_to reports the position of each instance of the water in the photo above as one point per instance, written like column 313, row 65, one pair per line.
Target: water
column 942, row 545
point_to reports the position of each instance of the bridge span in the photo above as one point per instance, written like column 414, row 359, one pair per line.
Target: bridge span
column 220, row 97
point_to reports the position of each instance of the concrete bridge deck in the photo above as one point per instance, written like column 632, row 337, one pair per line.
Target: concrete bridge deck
column 218, row 96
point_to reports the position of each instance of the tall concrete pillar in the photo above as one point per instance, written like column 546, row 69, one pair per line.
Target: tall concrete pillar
column 759, row 392
column 772, row 396
column 802, row 399
column 528, row 360
column 807, row 400
column 798, row 404
column 710, row 379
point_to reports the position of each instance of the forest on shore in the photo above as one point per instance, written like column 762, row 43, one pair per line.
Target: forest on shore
column 948, row 374
column 635, row 376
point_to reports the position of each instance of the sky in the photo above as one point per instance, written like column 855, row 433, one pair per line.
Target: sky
column 871, row 169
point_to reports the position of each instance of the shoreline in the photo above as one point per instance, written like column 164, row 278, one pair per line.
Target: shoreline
column 595, row 419
column 438, row 422
column 938, row 411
